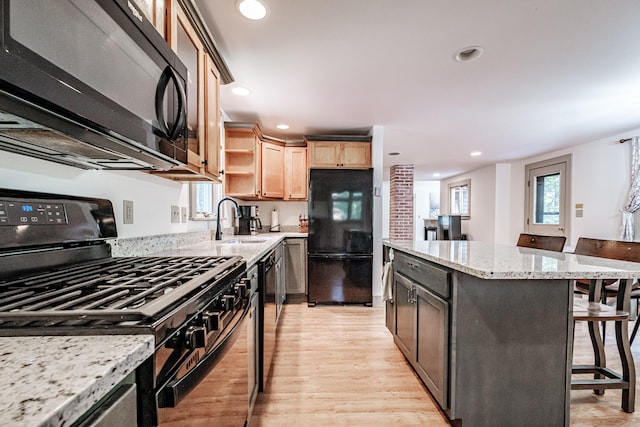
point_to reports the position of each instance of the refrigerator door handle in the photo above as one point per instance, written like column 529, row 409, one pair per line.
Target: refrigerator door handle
column 341, row 256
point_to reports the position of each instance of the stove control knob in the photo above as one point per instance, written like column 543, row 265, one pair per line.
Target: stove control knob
column 228, row 301
column 212, row 320
column 196, row 337
column 241, row 290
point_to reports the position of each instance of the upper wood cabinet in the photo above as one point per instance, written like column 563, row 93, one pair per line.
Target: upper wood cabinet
column 261, row 167
column 295, row 173
column 212, row 118
column 203, row 91
column 242, row 152
column 339, row 154
column 272, row 170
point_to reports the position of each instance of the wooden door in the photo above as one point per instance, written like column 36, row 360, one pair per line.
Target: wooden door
column 295, row 173
column 272, row 170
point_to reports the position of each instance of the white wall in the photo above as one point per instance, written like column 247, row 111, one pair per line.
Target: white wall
column 481, row 224
column 600, row 175
column 600, row 181
column 152, row 196
column 288, row 212
column 421, row 204
column 377, row 140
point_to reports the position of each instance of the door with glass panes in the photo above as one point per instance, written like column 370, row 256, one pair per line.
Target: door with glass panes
column 547, row 187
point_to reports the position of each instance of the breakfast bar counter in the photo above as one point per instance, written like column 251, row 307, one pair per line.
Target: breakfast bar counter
column 488, row 327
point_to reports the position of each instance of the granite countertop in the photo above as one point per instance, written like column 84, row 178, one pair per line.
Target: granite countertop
column 53, row 380
column 251, row 248
column 495, row 261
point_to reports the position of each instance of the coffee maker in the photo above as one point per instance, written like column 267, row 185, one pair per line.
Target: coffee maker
column 249, row 222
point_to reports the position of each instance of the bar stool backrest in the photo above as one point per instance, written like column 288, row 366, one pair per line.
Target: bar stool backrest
column 549, row 243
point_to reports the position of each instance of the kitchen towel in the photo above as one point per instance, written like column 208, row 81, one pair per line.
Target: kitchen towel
column 275, row 222
column 387, row 279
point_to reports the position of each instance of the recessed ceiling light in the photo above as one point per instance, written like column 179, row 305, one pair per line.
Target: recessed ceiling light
column 252, row 9
column 241, row 91
column 476, row 153
column 436, row 174
column 282, row 126
column 468, row 53
column 395, row 153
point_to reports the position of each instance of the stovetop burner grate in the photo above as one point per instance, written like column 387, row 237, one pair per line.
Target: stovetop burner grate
column 112, row 289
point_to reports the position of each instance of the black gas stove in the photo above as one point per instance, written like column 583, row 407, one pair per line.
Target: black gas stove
column 58, row 277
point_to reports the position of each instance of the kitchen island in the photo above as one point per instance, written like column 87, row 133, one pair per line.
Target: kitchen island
column 488, row 328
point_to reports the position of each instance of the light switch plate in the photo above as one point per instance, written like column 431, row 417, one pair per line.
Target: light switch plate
column 183, row 212
column 127, row 212
column 175, row 214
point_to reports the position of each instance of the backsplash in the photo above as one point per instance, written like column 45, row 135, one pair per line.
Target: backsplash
column 140, row 246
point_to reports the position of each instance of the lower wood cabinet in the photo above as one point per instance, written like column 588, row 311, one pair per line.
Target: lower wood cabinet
column 422, row 332
column 295, row 264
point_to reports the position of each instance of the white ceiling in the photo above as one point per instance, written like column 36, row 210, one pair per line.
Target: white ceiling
column 554, row 73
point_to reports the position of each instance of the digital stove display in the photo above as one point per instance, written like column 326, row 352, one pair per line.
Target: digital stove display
column 20, row 213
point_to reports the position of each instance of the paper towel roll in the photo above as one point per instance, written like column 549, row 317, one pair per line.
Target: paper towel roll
column 275, row 222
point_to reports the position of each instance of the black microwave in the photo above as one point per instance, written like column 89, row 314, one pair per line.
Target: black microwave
column 90, row 84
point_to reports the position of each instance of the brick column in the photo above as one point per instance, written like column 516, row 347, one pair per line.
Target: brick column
column 401, row 203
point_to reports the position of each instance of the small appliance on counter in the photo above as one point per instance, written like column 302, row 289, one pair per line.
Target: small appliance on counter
column 249, row 222
column 303, row 224
column 449, row 227
column 275, row 222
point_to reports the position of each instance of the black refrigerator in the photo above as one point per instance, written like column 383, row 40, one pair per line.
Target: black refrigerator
column 340, row 244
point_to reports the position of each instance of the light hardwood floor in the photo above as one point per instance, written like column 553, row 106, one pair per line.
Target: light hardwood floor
column 338, row 366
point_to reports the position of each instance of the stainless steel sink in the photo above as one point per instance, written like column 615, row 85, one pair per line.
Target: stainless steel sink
column 243, row 241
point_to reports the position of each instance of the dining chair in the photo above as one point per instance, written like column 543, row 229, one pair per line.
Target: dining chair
column 536, row 241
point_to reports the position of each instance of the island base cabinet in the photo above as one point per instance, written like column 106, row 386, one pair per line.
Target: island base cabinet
column 422, row 334
column 405, row 332
column 492, row 352
column 432, row 346
column 510, row 351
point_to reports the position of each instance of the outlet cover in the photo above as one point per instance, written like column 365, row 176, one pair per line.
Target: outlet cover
column 175, row 214
column 183, row 213
column 127, row 212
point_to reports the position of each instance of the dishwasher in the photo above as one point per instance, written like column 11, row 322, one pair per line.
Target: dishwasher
column 271, row 301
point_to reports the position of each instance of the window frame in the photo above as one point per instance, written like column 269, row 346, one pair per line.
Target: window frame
column 561, row 165
column 217, row 193
column 460, row 184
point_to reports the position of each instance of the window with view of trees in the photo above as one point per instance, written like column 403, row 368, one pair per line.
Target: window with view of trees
column 547, row 199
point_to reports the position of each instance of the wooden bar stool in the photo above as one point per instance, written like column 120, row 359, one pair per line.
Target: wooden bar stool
column 593, row 311
column 613, row 249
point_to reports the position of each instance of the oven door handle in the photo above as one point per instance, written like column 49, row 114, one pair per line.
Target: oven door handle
column 175, row 390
